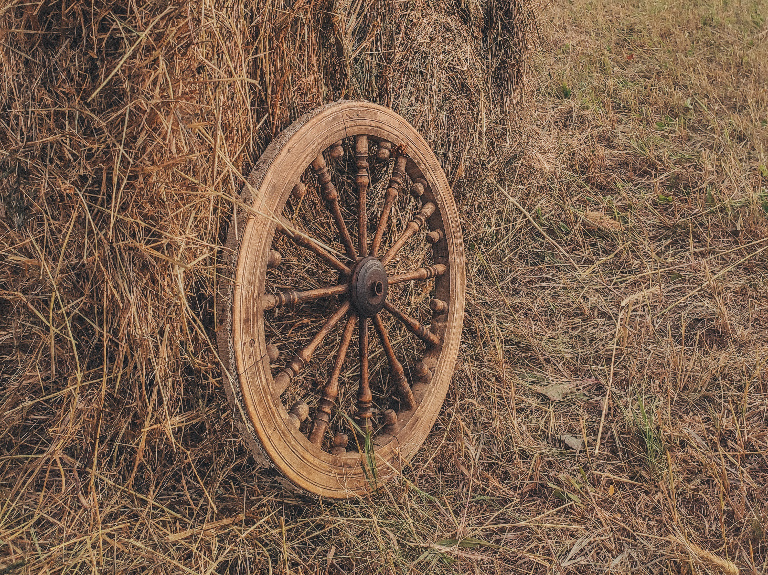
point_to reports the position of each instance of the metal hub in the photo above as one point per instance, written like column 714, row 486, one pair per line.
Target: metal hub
column 369, row 286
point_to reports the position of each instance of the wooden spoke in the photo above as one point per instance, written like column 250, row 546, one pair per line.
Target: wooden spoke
column 395, row 183
column 331, row 389
column 413, row 325
column 303, row 240
column 301, row 359
column 419, row 274
column 293, row 297
column 364, row 395
column 395, row 367
column 410, row 230
column 331, row 197
column 363, row 181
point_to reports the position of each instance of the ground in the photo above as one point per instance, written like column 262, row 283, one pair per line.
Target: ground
column 609, row 411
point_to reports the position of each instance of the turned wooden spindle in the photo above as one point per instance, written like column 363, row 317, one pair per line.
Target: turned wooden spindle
column 419, row 274
column 272, row 352
column 396, row 181
column 336, row 152
column 327, row 189
column 293, row 297
column 413, row 325
column 331, row 197
column 340, row 441
column 418, row 187
column 301, row 359
column 364, row 395
column 385, row 151
column 435, row 236
column 438, row 306
column 299, row 412
column 331, row 389
column 363, row 180
column 301, row 239
column 410, row 230
column 274, row 259
column 299, row 191
column 395, row 367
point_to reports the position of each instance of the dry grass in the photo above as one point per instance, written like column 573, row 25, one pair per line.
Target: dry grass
column 610, row 406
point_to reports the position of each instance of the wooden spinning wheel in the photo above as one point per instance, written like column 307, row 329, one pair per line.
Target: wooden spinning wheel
column 341, row 299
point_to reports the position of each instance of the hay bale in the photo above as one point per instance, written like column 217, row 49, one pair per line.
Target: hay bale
column 124, row 131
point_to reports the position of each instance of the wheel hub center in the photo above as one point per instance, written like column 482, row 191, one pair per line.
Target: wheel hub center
column 369, row 286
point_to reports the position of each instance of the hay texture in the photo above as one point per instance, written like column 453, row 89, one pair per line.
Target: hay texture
column 609, row 409
column 125, row 132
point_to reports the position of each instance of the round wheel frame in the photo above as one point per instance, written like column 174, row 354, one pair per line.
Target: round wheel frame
column 386, row 439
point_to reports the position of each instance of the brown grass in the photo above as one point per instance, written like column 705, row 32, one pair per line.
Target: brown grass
column 610, row 406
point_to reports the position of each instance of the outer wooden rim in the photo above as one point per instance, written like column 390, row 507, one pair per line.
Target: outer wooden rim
column 242, row 345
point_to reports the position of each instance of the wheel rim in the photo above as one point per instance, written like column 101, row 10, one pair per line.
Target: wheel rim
column 303, row 434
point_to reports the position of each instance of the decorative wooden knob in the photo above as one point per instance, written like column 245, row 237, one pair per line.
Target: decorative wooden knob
column 340, row 441
column 438, row 306
column 391, row 426
column 299, row 191
column 385, row 151
column 422, row 372
column 418, row 188
column 272, row 352
column 435, row 236
column 274, row 259
column 299, row 412
column 336, row 152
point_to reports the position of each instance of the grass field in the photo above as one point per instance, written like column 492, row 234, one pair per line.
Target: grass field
column 610, row 405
